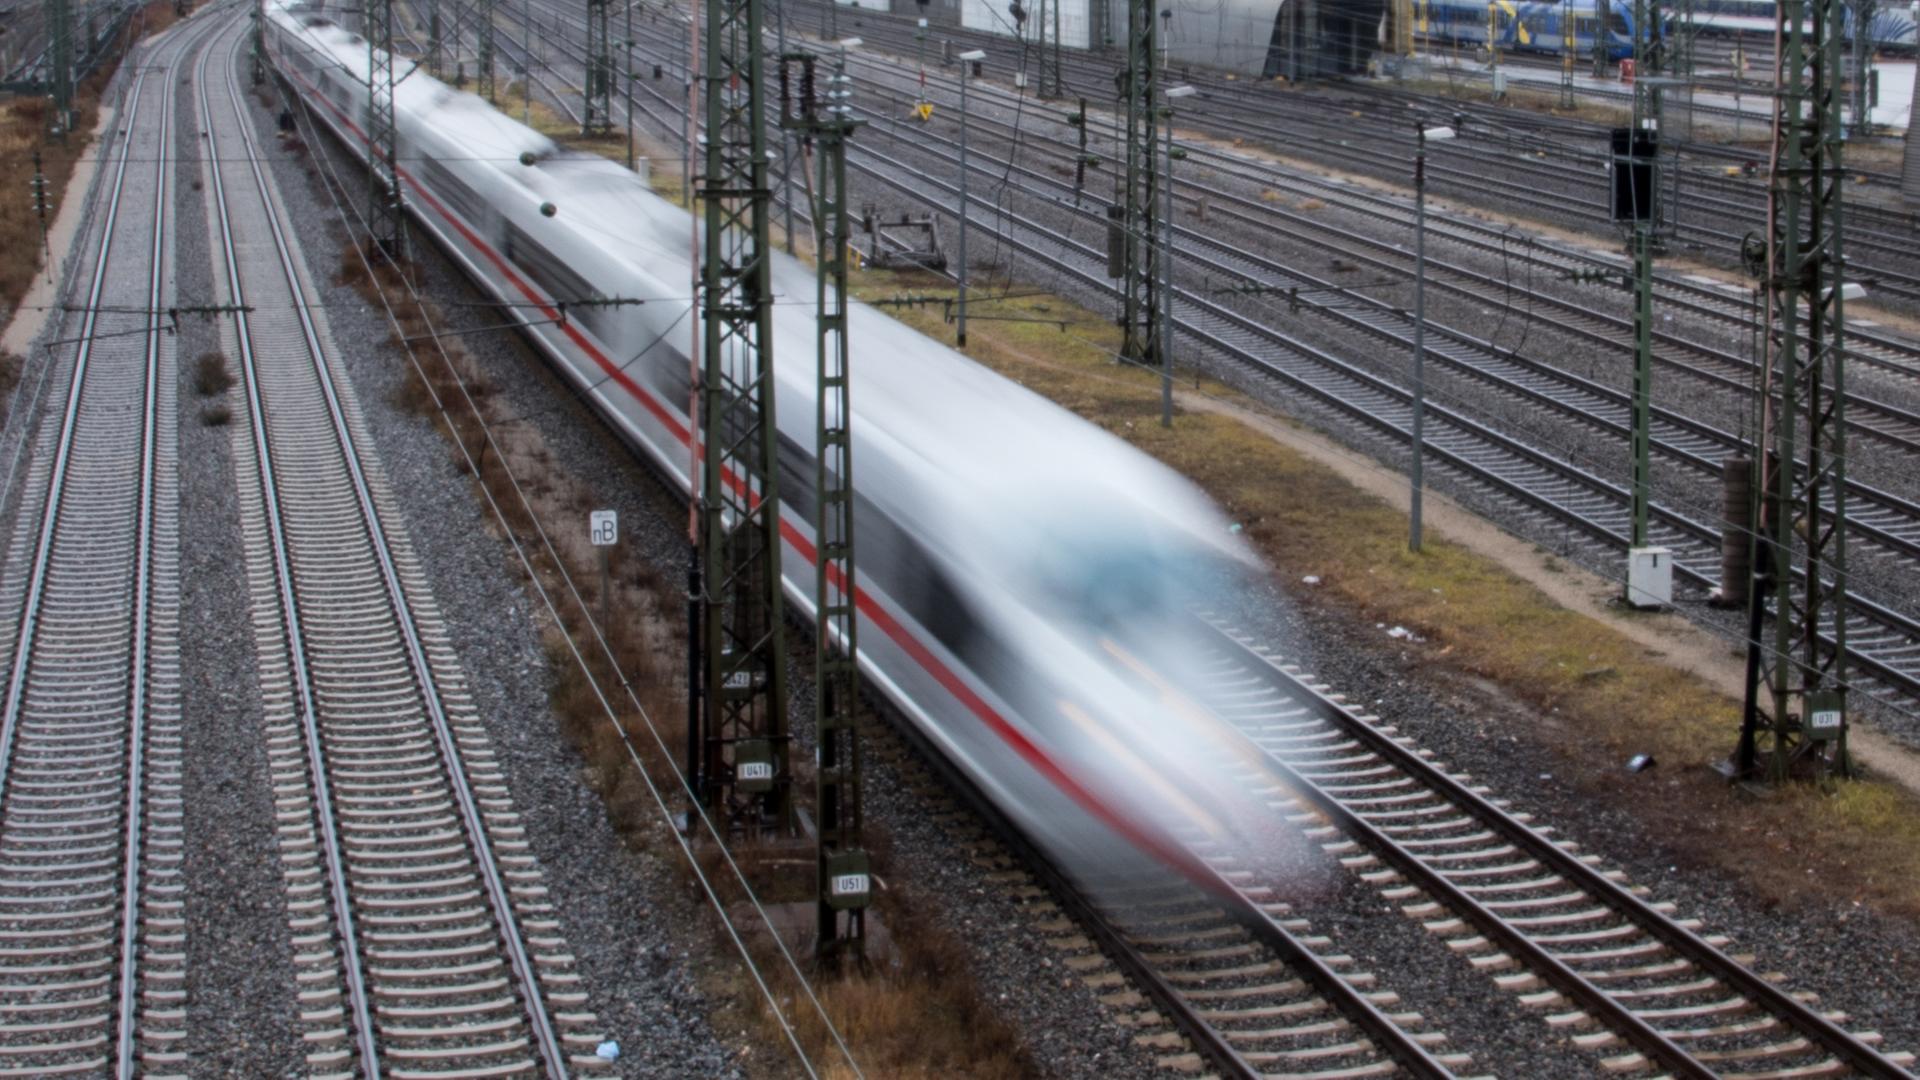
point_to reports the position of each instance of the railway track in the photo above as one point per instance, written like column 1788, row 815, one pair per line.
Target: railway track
column 1543, row 486
column 1884, row 524
column 1227, row 963
column 1620, row 974
column 425, row 939
column 92, row 957
column 1371, row 130
column 1645, row 993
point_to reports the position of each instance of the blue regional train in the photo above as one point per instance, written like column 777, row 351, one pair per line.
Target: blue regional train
column 1532, row 27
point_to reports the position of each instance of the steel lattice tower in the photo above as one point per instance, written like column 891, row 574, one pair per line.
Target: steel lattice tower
column 1864, row 12
column 60, row 65
column 483, row 62
column 743, row 699
column 1139, row 219
column 256, row 46
column 596, row 113
column 384, row 218
column 843, row 870
column 1052, row 86
column 1795, row 715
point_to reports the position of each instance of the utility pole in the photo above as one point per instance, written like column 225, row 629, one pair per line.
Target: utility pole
column 1139, row 277
column 384, row 217
column 1417, row 468
column 843, row 873
column 742, row 641
column 1795, row 718
column 433, row 38
column 596, row 113
column 60, row 66
column 969, row 60
column 1643, row 213
column 484, row 61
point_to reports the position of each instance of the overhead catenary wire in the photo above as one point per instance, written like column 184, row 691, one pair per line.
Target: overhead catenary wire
column 612, row 716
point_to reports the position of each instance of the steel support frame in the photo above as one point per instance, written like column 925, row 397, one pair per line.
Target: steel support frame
column 256, row 46
column 60, row 65
column 1569, row 44
column 838, row 805
column 1140, row 272
column 1791, row 672
column 483, row 57
column 596, row 111
column 1864, row 12
column 385, row 219
column 743, row 697
column 1052, row 85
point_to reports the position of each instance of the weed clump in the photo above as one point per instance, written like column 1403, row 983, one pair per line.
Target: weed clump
column 210, row 376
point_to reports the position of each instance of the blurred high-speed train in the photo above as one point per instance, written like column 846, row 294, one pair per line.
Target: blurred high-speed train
column 1023, row 578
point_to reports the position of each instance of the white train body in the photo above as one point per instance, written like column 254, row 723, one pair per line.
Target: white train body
column 1019, row 569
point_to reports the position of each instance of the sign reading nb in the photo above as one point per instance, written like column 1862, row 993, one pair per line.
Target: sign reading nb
column 603, row 527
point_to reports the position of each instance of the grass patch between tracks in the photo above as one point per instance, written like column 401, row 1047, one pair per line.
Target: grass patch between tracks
column 1589, row 693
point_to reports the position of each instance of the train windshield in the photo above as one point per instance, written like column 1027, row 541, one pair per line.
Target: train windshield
column 1117, row 581
column 1617, row 22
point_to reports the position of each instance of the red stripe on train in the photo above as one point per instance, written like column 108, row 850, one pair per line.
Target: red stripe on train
column 1035, row 756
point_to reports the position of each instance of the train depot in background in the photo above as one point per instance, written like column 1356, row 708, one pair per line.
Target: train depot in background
column 1579, row 48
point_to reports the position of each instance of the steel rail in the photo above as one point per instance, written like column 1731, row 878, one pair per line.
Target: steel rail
column 1809, row 1022
column 546, row 1038
column 1276, row 220
column 1406, row 1050
column 125, row 1054
column 1697, row 533
column 1055, row 255
column 27, row 640
column 1213, row 1043
column 1371, row 317
column 1255, row 113
column 358, row 998
column 56, row 484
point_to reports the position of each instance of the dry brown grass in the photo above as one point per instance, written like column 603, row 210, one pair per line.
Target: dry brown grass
column 210, row 376
column 23, row 129
column 1593, row 695
column 918, row 1016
